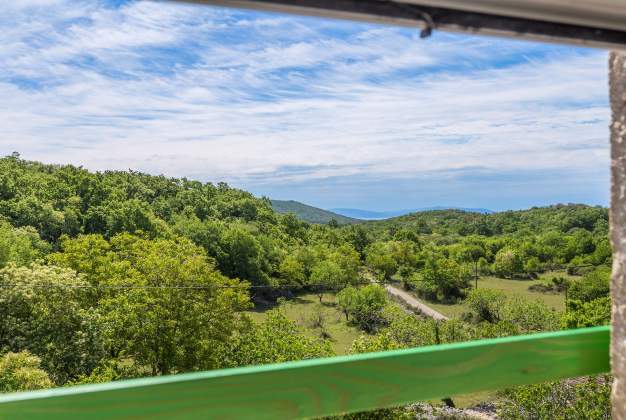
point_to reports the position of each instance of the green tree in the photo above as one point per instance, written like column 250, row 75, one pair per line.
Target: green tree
column 292, row 271
column 508, row 262
column 378, row 257
column 178, row 313
column 20, row 245
column 442, row 279
column 346, row 300
column 43, row 311
column 326, row 275
column 591, row 286
column 532, row 265
column 244, row 256
column 364, row 304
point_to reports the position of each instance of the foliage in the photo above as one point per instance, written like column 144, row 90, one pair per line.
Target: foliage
column 495, row 307
column 593, row 285
column 116, row 275
column 20, row 246
column 486, row 304
column 508, row 262
column 442, row 279
column 309, row 213
column 585, row 398
column 380, row 260
column 277, row 339
column 364, row 305
column 587, row 314
column 43, row 311
column 176, row 328
column 22, row 372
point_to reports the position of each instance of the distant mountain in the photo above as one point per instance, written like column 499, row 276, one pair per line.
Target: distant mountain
column 309, row 213
column 379, row 215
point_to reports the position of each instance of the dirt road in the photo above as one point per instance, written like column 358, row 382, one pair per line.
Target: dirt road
column 414, row 303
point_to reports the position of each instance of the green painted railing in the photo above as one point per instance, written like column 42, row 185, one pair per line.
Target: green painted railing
column 329, row 386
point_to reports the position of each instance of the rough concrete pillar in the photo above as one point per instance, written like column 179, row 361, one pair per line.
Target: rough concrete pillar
column 617, row 81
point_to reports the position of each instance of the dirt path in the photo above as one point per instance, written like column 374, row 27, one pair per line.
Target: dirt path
column 414, row 303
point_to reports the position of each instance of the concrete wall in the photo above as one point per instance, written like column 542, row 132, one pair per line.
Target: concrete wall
column 617, row 80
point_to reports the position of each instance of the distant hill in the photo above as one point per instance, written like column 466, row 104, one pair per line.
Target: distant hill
column 309, row 213
column 379, row 215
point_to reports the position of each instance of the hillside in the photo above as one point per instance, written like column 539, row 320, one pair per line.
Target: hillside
column 379, row 215
column 309, row 213
column 559, row 217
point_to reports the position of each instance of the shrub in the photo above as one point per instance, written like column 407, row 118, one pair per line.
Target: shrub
column 587, row 314
column 587, row 398
column 21, row 372
column 593, row 285
column 486, row 304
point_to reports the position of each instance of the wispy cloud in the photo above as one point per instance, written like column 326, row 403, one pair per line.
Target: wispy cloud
column 267, row 100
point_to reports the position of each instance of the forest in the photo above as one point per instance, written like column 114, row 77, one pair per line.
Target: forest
column 119, row 274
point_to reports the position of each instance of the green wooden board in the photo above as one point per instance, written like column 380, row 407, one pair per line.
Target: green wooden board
column 328, row 386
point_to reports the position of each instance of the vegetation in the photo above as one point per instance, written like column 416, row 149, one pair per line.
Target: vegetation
column 587, row 398
column 21, row 372
column 114, row 275
column 310, row 214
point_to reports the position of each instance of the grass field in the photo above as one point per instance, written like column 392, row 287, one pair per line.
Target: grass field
column 510, row 287
column 302, row 308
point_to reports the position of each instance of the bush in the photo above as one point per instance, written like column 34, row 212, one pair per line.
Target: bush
column 21, row 372
column 592, row 286
column 587, row 314
column 587, row 398
column 524, row 315
column 486, row 304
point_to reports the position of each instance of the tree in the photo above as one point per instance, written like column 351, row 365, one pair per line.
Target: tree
column 472, row 253
column 326, row 275
column 368, row 306
column 178, row 327
column 346, row 257
column 359, row 239
column 22, row 372
column 378, row 257
column 292, row 271
column 591, row 286
column 43, row 311
column 364, row 304
column 441, row 279
column 532, row 265
column 20, row 245
column 508, row 262
column 346, row 300
column 244, row 256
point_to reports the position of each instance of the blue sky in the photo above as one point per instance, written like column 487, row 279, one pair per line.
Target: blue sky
column 331, row 113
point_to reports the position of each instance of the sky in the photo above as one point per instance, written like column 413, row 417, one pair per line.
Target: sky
column 327, row 112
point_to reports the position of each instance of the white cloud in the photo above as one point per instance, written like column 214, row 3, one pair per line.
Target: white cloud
column 266, row 100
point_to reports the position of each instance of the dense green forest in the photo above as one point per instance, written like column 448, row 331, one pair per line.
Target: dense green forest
column 113, row 275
